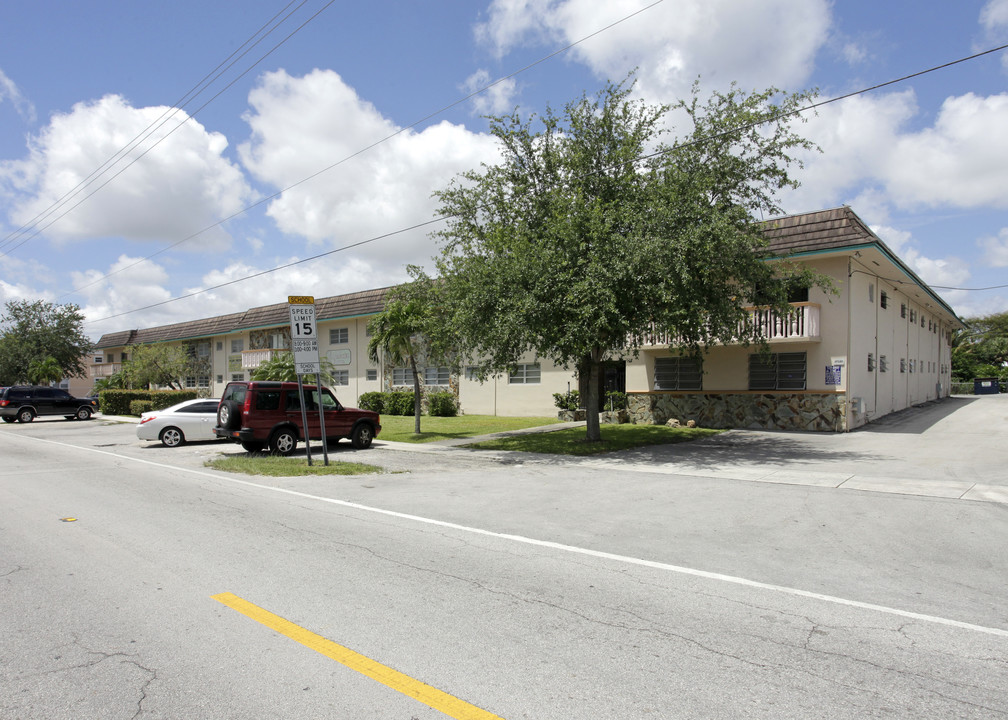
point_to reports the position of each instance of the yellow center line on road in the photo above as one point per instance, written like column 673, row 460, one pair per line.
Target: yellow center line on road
column 430, row 696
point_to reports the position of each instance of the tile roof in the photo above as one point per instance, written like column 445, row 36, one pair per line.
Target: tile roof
column 815, row 231
column 366, row 302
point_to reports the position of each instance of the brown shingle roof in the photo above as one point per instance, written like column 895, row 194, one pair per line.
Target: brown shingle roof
column 816, row 231
column 350, row 305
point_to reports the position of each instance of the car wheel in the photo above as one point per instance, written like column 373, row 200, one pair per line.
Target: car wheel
column 252, row 446
column 172, row 437
column 363, row 434
column 8, row 418
column 283, row 442
column 228, row 415
column 26, row 415
column 83, row 413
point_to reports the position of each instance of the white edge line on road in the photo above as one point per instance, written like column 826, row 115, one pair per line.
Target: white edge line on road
column 626, row 559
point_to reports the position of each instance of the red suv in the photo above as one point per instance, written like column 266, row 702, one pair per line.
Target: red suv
column 262, row 414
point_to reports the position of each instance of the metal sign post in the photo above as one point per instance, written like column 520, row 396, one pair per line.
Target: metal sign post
column 304, row 346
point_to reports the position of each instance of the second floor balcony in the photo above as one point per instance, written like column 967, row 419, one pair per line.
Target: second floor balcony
column 801, row 324
column 103, row 370
column 251, row 359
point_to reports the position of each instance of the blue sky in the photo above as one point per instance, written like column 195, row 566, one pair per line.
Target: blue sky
column 924, row 162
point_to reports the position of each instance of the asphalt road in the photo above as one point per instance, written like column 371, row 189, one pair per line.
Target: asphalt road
column 738, row 577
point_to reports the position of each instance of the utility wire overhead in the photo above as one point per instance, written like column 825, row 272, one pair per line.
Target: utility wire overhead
column 363, row 150
column 170, row 113
column 360, row 243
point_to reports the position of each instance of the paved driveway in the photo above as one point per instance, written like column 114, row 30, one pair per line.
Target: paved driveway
column 953, row 448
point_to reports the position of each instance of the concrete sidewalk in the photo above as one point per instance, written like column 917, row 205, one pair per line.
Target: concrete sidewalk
column 954, row 448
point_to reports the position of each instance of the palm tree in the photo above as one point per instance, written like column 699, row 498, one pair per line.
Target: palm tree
column 44, row 372
column 395, row 334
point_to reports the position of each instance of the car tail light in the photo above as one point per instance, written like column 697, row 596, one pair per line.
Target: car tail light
column 147, row 419
column 4, row 403
column 247, row 408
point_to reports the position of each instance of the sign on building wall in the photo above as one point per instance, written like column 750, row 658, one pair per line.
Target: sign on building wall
column 833, row 374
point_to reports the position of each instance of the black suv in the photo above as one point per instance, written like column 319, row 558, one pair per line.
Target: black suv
column 25, row 402
column 261, row 414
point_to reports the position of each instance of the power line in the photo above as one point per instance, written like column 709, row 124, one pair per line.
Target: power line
column 363, row 150
column 152, row 128
column 444, row 217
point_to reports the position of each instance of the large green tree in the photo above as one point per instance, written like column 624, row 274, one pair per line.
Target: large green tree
column 591, row 234
column 281, row 367
column 981, row 347
column 158, row 364
column 33, row 331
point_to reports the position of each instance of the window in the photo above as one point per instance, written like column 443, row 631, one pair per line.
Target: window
column 677, row 373
column 341, row 377
column 471, row 373
column 525, row 374
column 780, row 371
column 871, row 362
column 902, row 310
column 402, row 376
column 124, row 357
column 238, row 345
column 269, row 399
column 203, row 349
column 871, row 293
column 922, row 321
column 237, row 377
column 339, row 336
column 436, row 376
column 913, row 316
column 203, row 381
column 371, row 374
column 99, row 359
column 220, row 379
column 220, row 346
column 902, row 365
column 110, row 358
column 884, row 300
column 911, row 365
column 190, row 381
column 883, row 364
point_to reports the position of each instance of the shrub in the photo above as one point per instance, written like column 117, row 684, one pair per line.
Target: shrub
column 118, row 402
column 139, row 407
column 442, row 404
column 570, row 400
column 373, row 401
column 614, row 400
column 399, row 402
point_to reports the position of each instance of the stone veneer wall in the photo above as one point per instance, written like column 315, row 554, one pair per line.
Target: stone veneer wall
column 821, row 412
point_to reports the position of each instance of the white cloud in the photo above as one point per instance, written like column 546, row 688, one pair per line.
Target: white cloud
column 947, row 272
column 10, row 92
column 960, row 161
column 495, row 100
column 182, row 185
column 994, row 15
column 754, row 44
column 995, row 249
column 302, row 125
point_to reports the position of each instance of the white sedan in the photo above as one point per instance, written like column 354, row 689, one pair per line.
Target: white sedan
column 189, row 420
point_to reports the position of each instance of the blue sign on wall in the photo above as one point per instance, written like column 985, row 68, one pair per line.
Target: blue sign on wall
column 833, row 374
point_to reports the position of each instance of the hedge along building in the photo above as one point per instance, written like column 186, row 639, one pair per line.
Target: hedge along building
column 881, row 344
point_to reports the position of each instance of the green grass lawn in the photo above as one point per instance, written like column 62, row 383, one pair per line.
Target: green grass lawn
column 614, row 437
column 399, row 428
column 276, row 466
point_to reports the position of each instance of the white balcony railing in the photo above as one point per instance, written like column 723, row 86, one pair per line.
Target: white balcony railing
column 800, row 324
column 251, row 359
column 103, row 370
